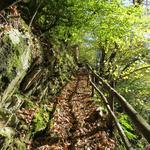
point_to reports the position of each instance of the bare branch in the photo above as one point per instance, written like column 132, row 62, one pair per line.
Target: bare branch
column 7, row 3
column 34, row 15
column 130, row 63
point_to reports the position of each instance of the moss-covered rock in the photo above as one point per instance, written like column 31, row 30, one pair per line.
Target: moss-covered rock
column 31, row 74
column 16, row 55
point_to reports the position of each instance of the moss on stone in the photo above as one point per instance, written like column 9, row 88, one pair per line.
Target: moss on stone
column 15, row 55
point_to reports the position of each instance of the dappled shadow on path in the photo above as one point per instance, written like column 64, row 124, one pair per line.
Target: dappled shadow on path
column 77, row 124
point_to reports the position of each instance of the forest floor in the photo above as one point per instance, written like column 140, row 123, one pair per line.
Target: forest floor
column 77, row 123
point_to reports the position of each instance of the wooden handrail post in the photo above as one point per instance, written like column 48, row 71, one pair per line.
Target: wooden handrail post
column 111, row 96
column 110, row 122
column 120, row 130
column 88, row 80
column 93, row 80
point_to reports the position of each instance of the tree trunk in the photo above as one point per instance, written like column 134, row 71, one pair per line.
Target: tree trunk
column 102, row 64
column 137, row 1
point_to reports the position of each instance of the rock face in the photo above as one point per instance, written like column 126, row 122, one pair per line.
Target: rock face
column 27, row 82
column 15, row 56
column 15, row 59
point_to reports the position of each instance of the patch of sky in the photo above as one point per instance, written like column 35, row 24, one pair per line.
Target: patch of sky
column 127, row 2
column 146, row 3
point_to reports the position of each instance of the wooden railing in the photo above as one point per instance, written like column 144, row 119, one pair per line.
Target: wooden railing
column 136, row 118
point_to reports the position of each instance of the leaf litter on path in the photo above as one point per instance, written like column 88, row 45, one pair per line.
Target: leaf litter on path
column 77, row 122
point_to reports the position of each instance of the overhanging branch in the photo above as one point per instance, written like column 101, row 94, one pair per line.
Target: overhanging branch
column 136, row 70
column 6, row 3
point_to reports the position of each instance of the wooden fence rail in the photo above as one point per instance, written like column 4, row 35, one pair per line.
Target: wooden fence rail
column 137, row 119
column 121, row 132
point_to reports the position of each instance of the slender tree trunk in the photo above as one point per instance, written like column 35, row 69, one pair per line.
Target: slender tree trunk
column 102, row 64
column 138, row 1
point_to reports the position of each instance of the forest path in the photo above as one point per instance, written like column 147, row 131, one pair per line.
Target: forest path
column 77, row 122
